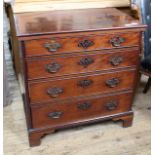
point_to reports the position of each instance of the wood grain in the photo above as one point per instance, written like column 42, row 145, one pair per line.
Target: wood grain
column 70, row 64
column 38, row 90
column 54, row 22
column 70, row 44
column 72, row 112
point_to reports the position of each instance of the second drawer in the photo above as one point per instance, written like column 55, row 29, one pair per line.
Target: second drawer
column 43, row 91
column 64, row 65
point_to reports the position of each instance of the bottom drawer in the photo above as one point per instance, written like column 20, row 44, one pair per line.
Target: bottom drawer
column 65, row 113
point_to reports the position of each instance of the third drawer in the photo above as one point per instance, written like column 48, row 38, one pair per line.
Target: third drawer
column 48, row 90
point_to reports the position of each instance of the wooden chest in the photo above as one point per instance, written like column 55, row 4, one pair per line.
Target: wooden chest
column 79, row 67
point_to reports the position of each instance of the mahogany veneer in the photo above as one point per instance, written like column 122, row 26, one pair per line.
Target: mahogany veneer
column 72, row 44
column 73, row 64
column 81, row 85
column 79, row 67
column 71, row 111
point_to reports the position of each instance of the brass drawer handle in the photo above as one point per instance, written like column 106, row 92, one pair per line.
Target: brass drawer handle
column 116, row 41
column 84, row 106
column 112, row 105
column 52, row 46
column 85, row 43
column 53, row 68
column 86, row 61
column 85, row 83
column 116, row 60
column 55, row 115
column 112, row 82
column 55, row 92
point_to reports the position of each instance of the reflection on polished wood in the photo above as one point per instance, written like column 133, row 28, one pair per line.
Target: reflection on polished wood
column 73, row 20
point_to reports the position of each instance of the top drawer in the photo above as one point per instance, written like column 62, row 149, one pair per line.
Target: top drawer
column 58, row 45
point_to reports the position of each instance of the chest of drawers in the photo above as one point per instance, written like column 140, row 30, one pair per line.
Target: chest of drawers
column 79, row 67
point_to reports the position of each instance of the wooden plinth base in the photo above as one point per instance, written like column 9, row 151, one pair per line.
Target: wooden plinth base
column 127, row 120
column 35, row 136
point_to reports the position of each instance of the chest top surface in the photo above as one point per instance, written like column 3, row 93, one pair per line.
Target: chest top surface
column 53, row 22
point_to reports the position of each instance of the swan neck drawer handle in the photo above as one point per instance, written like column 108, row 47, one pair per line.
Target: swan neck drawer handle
column 112, row 82
column 116, row 41
column 53, row 68
column 86, row 62
column 55, row 115
column 85, row 83
column 115, row 61
column 55, row 92
column 85, row 43
column 84, row 106
column 112, row 105
column 52, row 46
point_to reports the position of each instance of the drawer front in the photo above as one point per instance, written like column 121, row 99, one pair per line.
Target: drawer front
column 70, row 112
column 92, row 84
column 83, row 43
column 58, row 66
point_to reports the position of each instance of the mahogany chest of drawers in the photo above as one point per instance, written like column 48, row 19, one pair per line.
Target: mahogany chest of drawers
column 79, row 67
